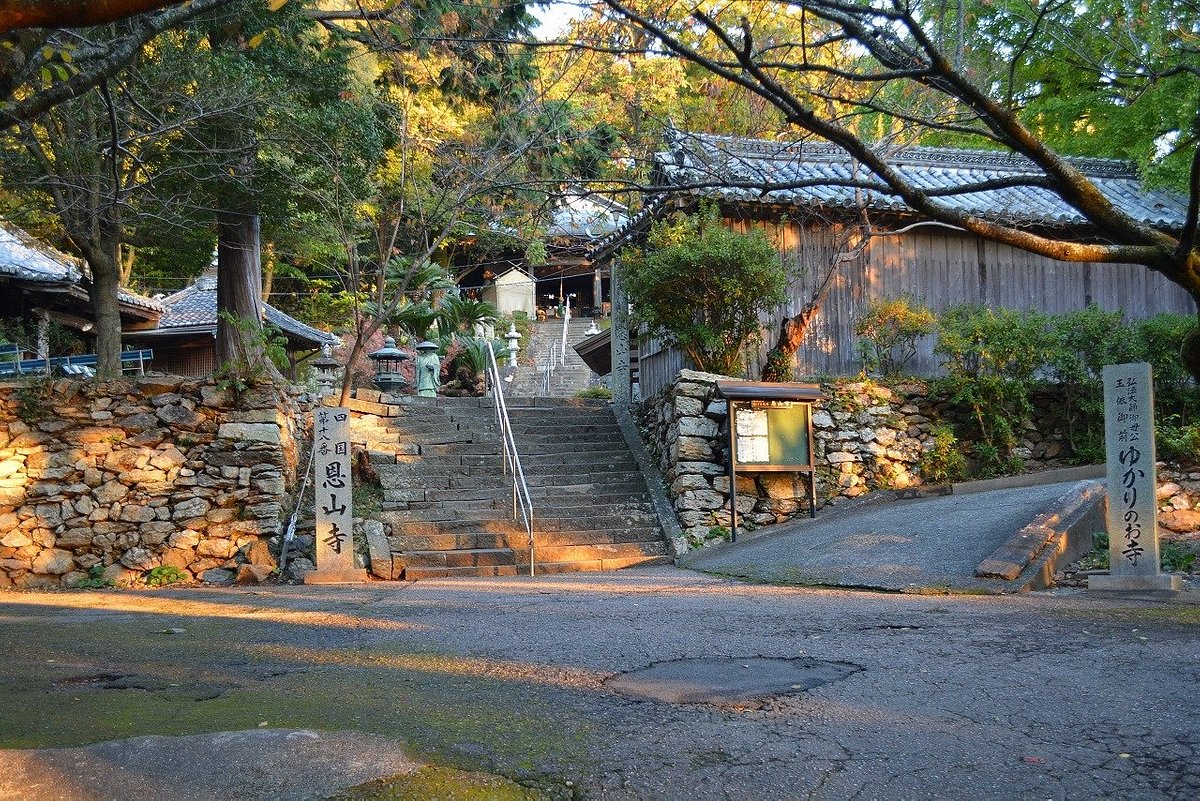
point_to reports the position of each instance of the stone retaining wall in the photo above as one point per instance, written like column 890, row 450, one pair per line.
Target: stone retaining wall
column 867, row 437
column 109, row 480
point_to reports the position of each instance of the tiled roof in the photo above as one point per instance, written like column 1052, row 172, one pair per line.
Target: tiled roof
column 196, row 306
column 581, row 216
column 739, row 169
column 26, row 259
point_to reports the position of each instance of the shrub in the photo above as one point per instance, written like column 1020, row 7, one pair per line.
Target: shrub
column 992, row 357
column 702, row 286
column 944, row 461
column 889, row 330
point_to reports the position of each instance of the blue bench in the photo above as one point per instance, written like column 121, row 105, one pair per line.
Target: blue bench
column 131, row 360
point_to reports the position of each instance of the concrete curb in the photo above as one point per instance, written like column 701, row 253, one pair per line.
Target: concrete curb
column 1058, row 536
column 655, row 486
column 1089, row 472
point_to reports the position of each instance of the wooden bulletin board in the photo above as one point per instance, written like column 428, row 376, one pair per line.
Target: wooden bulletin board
column 772, row 435
column 770, row 430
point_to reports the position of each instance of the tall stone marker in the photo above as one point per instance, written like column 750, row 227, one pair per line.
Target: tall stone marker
column 335, row 510
column 1132, row 483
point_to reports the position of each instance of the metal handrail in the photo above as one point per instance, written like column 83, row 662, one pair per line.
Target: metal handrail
column 522, row 501
column 566, row 325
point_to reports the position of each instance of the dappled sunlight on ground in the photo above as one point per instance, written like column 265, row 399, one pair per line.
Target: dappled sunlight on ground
column 498, row 669
column 228, row 607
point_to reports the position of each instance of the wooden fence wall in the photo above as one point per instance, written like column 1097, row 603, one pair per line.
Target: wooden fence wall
column 939, row 266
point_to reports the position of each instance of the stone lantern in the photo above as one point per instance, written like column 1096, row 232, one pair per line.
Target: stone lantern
column 513, row 338
column 389, row 361
column 326, row 369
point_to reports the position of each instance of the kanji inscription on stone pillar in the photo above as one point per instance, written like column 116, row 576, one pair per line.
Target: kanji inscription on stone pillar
column 1132, row 482
column 334, row 507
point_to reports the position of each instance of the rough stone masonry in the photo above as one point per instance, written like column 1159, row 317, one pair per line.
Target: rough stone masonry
column 867, row 437
column 111, row 479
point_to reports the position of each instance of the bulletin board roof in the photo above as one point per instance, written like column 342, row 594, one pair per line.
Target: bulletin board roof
column 766, row 390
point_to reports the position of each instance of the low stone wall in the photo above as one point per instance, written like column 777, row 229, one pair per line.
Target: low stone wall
column 107, row 480
column 867, row 437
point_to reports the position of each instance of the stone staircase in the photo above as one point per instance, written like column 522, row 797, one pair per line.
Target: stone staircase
column 448, row 504
column 568, row 378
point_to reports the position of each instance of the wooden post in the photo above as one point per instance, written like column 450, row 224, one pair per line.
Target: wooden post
column 622, row 388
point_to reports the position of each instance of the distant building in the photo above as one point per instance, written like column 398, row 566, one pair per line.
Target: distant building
column 41, row 285
column 577, row 221
column 810, row 211
column 184, row 339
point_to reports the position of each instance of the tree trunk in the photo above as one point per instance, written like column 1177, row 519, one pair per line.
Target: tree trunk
column 239, row 292
column 106, row 282
column 778, row 365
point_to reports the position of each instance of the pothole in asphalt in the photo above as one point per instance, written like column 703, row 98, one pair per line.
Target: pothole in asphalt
column 723, row 681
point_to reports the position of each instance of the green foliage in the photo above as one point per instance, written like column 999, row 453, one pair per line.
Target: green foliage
column 702, row 286
column 95, row 579
column 247, row 371
column 1177, row 440
column 1175, row 558
column 601, row 393
column 165, row 576
column 31, row 399
column 470, row 353
column 889, row 330
column 943, row 461
column 991, row 357
column 1082, row 342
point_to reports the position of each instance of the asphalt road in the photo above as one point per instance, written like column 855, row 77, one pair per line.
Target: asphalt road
column 902, row 546
column 1044, row 695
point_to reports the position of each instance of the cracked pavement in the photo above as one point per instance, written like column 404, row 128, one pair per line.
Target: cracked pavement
column 1050, row 695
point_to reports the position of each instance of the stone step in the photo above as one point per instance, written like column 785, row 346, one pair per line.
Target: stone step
column 519, row 539
column 426, row 522
column 462, row 449
column 428, row 495
column 541, row 568
column 587, row 553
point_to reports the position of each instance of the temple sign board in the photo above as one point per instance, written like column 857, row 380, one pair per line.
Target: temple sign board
column 332, row 486
column 770, row 430
column 1132, row 516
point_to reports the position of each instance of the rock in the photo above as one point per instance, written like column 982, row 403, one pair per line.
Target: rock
column 15, row 539
column 701, row 427
column 259, row 553
column 120, row 575
column 53, row 561
column 822, row 419
column 690, row 481
column 250, row 432
column 110, row 492
column 139, row 559
column 189, row 509
column 184, row 539
column 136, row 514
column 177, row 416
column 216, row 548
column 300, row 567
column 1181, row 521
column 74, row 538
column 218, row 575
column 252, row 574
column 693, row 449
column 378, row 549
column 688, row 407
column 840, row 457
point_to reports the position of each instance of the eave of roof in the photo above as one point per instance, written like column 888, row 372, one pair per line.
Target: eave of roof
column 812, row 175
column 194, row 309
column 808, row 174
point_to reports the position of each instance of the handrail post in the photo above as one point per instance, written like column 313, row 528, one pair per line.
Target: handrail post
column 522, row 501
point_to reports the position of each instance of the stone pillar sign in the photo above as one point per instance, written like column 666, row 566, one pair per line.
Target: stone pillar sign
column 334, row 508
column 1132, row 506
